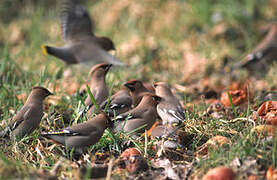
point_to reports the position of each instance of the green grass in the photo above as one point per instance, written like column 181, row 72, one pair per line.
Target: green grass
column 154, row 37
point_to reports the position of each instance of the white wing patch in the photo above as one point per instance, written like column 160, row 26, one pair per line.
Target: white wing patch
column 174, row 114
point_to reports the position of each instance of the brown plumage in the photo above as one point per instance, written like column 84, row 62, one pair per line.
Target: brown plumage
column 98, row 86
column 81, row 135
column 120, row 102
column 144, row 114
column 137, row 89
column 81, row 45
column 29, row 116
column 169, row 109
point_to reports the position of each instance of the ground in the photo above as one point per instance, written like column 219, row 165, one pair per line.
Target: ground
column 189, row 44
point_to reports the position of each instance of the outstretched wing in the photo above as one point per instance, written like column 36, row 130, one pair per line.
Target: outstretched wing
column 76, row 22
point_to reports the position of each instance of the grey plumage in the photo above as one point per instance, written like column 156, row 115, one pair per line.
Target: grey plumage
column 81, row 135
column 169, row 109
column 119, row 103
column 29, row 116
column 98, row 88
column 144, row 114
column 81, row 45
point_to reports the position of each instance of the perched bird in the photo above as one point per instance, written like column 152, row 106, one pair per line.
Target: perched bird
column 169, row 109
column 120, row 102
column 29, row 116
column 137, row 89
column 81, row 135
column 98, row 87
column 264, row 53
column 145, row 114
column 81, row 45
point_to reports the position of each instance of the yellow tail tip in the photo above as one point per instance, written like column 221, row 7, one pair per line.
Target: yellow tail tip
column 44, row 50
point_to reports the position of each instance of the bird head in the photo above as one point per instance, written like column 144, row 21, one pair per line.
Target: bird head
column 151, row 99
column 100, row 70
column 41, row 91
column 106, row 43
column 109, row 122
column 133, row 85
column 162, row 89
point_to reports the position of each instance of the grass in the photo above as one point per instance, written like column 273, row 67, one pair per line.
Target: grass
column 181, row 42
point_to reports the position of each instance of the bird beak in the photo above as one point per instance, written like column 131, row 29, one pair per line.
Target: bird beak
column 107, row 68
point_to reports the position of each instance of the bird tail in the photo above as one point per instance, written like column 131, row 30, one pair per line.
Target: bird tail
column 56, row 136
column 44, row 50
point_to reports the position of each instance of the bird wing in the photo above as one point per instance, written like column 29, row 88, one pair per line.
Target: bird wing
column 23, row 114
column 62, row 132
column 88, row 52
column 124, row 116
column 76, row 130
column 76, row 22
column 133, row 114
column 118, row 103
column 175, row 111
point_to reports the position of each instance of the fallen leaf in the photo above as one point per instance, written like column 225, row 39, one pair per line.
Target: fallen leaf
column 253, row 177
column 268, row 130
column 219, row 173
column 132, row 160
column 238, row 97
column 271, row 174
column 22, row 96
column 212, row 143
column 267, row 107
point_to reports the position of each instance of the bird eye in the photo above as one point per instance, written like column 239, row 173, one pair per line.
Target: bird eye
column 156, row 98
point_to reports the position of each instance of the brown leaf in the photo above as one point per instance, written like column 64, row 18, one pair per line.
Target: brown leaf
column 268, row 112
column 238, row 97
column 267, row 107
column 271, row 174
column 268, row 130
column 132, row 160
column 220, row 173
column 212, row 143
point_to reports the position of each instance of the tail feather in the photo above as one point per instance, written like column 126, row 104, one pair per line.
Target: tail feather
column 57, row 138
column 44, row 50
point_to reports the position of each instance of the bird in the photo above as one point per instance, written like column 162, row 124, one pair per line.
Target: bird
column 119, row 103
column 263, row 54
column 81, row 45
column 137, row 89
column 98, row 88
column 145, row 114
column 29, row 116
column 169, row 109
column 83, row 135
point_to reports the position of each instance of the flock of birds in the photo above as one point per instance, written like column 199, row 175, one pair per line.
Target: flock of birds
column 132, row 109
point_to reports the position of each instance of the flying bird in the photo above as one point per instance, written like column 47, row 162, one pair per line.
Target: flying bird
column 81, row 46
